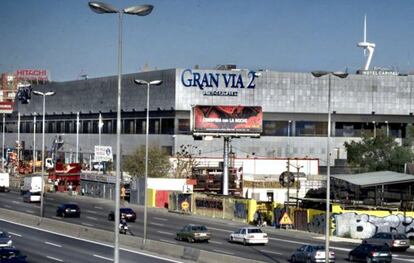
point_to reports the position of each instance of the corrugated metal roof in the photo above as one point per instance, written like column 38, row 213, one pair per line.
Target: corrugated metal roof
column 375, row 178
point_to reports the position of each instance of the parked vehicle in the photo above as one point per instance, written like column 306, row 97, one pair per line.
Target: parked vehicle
column 32, row 184
column 5, row 239
column 193, row 233
column 128, row 213
column 311, row 253
column 12, row 255
column 68, row 210
column 31, row 197
column 4, row 182
column 370, row 253
column 249, row 235
column 394, row 241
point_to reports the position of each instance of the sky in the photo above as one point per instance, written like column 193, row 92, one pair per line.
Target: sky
column 69, row 40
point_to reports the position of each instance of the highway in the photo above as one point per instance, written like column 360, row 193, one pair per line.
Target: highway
column 163, row 225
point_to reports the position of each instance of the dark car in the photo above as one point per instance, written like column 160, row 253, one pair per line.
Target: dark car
column 128, row 214
column 370, row 253
column 5, row 239
column 68, row 210
column 11, row 255
column 394, row 241
column 193, row 233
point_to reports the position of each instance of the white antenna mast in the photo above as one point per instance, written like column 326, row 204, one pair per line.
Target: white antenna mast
column 367, row 46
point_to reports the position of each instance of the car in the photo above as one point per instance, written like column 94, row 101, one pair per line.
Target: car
column 311, row 253
column 395, row 241
column 370, row 253
column 128, row 213
column 12, row 255
column 29, row 197
column 5, row 239
column 193, row 233
column 68, row 210
column 249, row 235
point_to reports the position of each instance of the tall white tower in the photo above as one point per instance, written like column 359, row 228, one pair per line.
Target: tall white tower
column 367, row 46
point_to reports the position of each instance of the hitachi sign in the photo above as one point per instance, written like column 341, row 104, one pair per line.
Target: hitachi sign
column 217, row 80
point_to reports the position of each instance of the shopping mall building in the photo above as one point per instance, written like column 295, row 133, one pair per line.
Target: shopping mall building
column 295, row 111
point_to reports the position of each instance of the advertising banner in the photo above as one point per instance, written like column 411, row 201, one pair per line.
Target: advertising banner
column 227, row 119
column 6, row 107
column 103, row 154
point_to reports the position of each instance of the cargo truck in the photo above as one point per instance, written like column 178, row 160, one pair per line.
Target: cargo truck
column 4, row 182
column 32, row 184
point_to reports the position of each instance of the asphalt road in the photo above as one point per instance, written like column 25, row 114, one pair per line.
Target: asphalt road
column 43, row 247
column 162, row 226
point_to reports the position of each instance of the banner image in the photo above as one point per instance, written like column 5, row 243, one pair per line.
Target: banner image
column 228, row 119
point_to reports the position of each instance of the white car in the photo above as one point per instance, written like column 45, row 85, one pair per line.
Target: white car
column 31, row 197
column 249, row 235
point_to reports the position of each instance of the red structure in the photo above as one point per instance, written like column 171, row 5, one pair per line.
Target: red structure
column 66, row 176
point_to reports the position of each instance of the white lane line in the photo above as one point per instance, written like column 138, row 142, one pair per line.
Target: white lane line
column 168, row 241
column 219, row 229
column 98, row 207
column 92, row 218
column 15, row 202
column 50, row 198
column 271, row 252
column 15, row 234
column 222, row 251
column 166, row 233
column 29, row 211
column 53, row 244
column 161, row 219
column 215, row 242
column 57, row 259
column 86, row 224
column 102, row 257
column 93, row 212
column 156, row 224
column 7, row 206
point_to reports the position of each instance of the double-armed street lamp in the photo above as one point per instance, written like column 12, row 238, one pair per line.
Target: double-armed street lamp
column 43, row 94
column 148, row 84
column 341, row 75
column 140, row 10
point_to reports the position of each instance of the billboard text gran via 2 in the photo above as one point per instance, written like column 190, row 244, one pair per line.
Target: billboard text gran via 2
column 227, row 119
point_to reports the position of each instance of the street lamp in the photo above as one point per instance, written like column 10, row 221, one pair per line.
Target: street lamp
column 140, row 10
column 44, row 94
column 341, row 75
column 148, row 84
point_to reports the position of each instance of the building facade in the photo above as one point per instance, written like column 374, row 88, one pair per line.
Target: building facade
column 295, row 109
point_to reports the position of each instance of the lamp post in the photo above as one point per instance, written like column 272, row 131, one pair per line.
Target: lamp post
column 2, row 152
column 44, row 94
column 342, row 75
column 140, row 10
column 148, row 84
column 77, row 137
column 100, row 125
column 34, row 143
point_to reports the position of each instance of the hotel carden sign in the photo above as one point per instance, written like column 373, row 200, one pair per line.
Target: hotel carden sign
column 219, row 84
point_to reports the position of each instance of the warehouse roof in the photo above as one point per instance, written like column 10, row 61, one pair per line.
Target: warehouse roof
column 375, row 178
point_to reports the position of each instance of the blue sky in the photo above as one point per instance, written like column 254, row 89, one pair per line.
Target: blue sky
column 68, row 39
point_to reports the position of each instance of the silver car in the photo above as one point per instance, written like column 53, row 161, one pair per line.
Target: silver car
column 5, row 239
column 311, row 253
column 394, row 241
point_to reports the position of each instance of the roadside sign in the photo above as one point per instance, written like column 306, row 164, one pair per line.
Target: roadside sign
column 6, row 107
column 285, row 220
column 185, row 205
column 103, row 153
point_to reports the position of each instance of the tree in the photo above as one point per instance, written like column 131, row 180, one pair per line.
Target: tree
column 379, row 153
column 185, row 161
column 158, row 163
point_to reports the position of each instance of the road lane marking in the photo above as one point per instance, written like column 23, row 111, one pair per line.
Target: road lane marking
column 157, row 224
column 271, row 252
column 15, row 202
column 57, row 217
column 50, row 198
column 222, row 251
column 102, row 257
column 15, row 234
column 53, row 244
column 7, row 206
column 166, row 233
column 92, row 218
column 159, row 218
column 215, row 242
column 168, row 241
column 29, row 211
column 57, row 259
column 98, row 207
column 86, row 224
column 93, row 212
column 219, row 229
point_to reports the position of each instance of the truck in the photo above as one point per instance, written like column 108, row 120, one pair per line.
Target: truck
column 32, row 184
column 4, row 182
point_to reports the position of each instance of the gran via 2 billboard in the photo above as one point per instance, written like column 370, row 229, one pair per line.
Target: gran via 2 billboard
column 227, row 119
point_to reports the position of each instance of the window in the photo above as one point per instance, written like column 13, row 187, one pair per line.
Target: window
column 310, row 128
column 140, row 126
column 59, row 127
column 184, row 126
column 86, row 126
column 69, row 127
column 154, row 127
column 167, row 126
column 51, row 127
column 275, row 128
column 129, row 126
column 95, row 126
